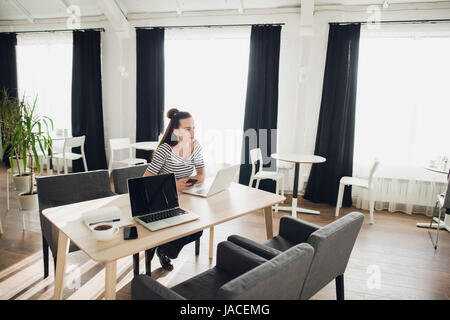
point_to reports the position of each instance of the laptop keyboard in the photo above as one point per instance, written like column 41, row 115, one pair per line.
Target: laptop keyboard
column 162, row 215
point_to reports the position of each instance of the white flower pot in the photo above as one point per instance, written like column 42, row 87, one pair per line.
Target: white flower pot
column 28, row 202
column 16, row 169
column 22, row 183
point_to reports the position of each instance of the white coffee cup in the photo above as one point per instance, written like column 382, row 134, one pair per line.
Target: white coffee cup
column 105, row 231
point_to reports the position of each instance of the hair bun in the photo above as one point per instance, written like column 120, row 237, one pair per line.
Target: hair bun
column 172, row 112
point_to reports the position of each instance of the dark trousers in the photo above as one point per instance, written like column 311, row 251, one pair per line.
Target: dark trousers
column 172, row 249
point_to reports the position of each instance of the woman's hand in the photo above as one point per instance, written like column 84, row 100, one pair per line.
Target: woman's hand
column 182, row 185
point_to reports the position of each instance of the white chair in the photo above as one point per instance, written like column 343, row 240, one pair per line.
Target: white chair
column 359, row 182
column 278, row 177
column 122, row 144
column 66, row 154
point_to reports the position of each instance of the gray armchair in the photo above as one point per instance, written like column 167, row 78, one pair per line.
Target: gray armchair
column 65, row 189
column 238, row 275
column 120, row 177
column 332, row 245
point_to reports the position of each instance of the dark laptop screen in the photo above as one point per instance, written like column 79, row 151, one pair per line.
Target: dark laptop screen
column 152, row 193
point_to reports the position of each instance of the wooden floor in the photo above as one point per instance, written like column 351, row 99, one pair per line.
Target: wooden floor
column 393, row 250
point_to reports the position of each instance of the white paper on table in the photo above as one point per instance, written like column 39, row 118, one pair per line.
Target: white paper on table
column 106, row 214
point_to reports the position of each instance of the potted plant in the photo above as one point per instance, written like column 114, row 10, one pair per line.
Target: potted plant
column 23, row 131
column 11, row 120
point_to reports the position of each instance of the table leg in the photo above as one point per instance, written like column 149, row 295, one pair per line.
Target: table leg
column 268, row 217
column 293, row 208
column 211, row 242
column 50, row 162
column 110, row 280
column 295, row 190
column 7, row 189
column 63, row 250
column 48, row 165
column 444, row 225
column 23, row 220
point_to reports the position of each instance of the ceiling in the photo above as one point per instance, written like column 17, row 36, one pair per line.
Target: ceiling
column 45, row 9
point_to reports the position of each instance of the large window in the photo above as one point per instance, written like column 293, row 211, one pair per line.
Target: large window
column 402, row 114
column 206, row 75
column 44, row 72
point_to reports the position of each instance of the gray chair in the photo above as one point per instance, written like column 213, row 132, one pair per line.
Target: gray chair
column 65, row 189
column 332, row 245
column 238, row 275
column 120, row 177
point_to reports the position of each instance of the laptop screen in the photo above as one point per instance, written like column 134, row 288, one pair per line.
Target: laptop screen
column 152, row 194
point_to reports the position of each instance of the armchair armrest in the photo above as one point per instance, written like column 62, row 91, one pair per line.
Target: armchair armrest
column 255, row 247
column 236, row 260
column 296, row 230
column 145, row 288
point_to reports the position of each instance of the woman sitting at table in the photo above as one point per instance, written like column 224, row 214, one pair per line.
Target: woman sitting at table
column 178, row 153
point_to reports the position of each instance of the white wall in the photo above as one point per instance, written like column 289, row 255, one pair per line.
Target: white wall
column 300, row 97
column 119, row 84
column 120, row 94
column 299, row 100
column 310, row 91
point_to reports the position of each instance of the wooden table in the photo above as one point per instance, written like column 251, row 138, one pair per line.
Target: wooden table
column 146, row 145
column 236, row 201
column 297, row 159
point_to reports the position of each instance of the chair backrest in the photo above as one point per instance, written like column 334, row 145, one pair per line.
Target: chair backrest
column 332, row 245
column 74, row 142
column 121, row 175
column 374, row 168
column 280, row 278
column 120, row 143
column 65, row 189
column 255, row 155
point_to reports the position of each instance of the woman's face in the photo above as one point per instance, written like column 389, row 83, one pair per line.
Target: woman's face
column 186, row 130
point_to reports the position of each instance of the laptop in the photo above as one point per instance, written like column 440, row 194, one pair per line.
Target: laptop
column 211, row 186
column 154, row 202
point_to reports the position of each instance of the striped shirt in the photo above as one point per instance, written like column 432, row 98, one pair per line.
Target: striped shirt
column 166, row 161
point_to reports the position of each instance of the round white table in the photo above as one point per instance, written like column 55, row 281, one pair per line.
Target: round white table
column 438, row 170
column 297, row 159
column 146, row 145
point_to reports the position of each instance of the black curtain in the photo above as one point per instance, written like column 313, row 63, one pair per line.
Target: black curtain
column 261, row 105
column 8, row 72
column 336, row 128
column 87, row 113
column 149, row 86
